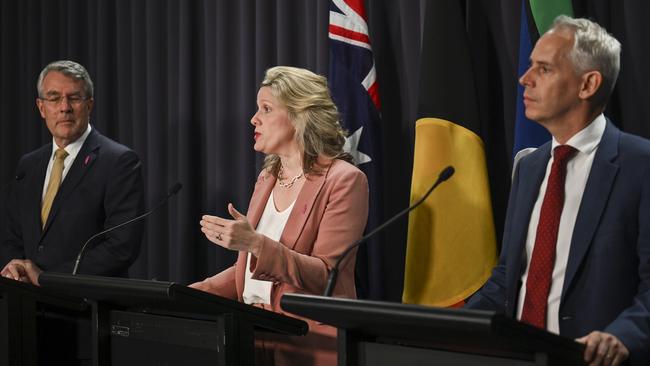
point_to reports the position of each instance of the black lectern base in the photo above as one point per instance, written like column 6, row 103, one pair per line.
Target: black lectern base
column 139, row 339
column 379, row 354
column 382, row 333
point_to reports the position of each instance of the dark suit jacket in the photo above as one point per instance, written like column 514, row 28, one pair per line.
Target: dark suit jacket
column 102, row 188
column 607, row 280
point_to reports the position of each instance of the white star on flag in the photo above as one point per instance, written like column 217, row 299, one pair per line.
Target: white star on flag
column 352, row 146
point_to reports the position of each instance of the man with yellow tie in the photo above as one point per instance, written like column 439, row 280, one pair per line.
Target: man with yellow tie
column 72, row 188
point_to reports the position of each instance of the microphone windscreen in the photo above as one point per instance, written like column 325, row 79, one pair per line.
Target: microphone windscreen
column 446, row 173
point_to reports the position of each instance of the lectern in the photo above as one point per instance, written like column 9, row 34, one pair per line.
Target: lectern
column 381, row 333
column 33, row 320
column 140, row 322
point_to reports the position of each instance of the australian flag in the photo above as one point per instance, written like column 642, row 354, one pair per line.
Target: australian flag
column 353, row 82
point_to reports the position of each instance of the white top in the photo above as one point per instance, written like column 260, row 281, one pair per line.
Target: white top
column 577, row 172
column 271, row 225
column 72, row 150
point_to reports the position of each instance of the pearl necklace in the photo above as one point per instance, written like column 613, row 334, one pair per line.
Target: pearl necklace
column 291, row 182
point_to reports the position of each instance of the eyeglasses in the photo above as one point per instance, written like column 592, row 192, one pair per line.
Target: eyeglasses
column 74, row 100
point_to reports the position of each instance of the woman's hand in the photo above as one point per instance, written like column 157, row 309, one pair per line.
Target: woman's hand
column 237, row 234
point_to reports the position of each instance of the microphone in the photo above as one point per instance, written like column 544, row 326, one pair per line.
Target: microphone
column 172, row 191
column 331, row 279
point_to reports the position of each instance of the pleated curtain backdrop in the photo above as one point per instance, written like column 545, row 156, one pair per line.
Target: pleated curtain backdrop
column 176, row 80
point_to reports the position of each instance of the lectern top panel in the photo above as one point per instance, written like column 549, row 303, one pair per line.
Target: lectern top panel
column 41, row 295
column 470, row 330
column 124, row 293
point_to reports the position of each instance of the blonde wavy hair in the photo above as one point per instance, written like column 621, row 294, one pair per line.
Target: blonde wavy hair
column 312, row 112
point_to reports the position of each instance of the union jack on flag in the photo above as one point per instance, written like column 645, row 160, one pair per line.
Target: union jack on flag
column 353, row 82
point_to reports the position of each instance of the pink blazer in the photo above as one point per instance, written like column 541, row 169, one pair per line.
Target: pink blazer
column 329, row 214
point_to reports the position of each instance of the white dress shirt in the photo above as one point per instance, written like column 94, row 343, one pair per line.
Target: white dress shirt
column 72, row 150
column 271, row 225
column 577, row 172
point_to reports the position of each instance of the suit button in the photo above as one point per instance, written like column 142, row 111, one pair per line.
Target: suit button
column 40, row 248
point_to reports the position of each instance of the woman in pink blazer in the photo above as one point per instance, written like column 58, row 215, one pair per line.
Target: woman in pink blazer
column 310, row 203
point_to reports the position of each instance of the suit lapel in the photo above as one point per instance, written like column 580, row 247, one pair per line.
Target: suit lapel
column 35, row 189
column 81, row 164
column 531, row 171
column 265, row 184
column 302, row 207
column 594, row 199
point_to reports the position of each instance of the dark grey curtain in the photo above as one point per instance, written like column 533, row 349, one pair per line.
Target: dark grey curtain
column 176, row 81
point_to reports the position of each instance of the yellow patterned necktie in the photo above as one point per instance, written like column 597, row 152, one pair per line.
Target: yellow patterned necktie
column 54, row 184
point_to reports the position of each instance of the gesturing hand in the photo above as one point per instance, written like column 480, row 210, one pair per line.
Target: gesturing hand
column 237, row 234
column 603, row 349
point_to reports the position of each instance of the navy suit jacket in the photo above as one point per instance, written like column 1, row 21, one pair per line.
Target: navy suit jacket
column 102, row 188
column 607, row 280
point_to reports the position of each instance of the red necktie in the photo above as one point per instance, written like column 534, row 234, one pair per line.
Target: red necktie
column 538, row 283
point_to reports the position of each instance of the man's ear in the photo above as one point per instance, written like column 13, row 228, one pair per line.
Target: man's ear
column 592, row 81
column 40, row 105
column 89, row 104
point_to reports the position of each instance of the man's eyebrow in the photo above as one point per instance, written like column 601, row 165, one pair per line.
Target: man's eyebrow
column 539, row 62
column 54, row 92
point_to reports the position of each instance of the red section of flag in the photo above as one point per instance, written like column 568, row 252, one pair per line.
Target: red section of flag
column 373, row 91
column 358, row 7
column 340, row 31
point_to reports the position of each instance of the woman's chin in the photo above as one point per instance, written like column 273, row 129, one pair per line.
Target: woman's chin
column 260, row 149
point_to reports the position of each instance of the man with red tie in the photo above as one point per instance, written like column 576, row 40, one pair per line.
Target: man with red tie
column 575, row 258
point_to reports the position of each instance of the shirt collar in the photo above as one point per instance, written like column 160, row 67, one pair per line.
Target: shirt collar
column 587, row 140
column 73, row 148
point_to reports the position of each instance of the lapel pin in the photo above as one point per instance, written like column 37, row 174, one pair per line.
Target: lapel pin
column 87, row 160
